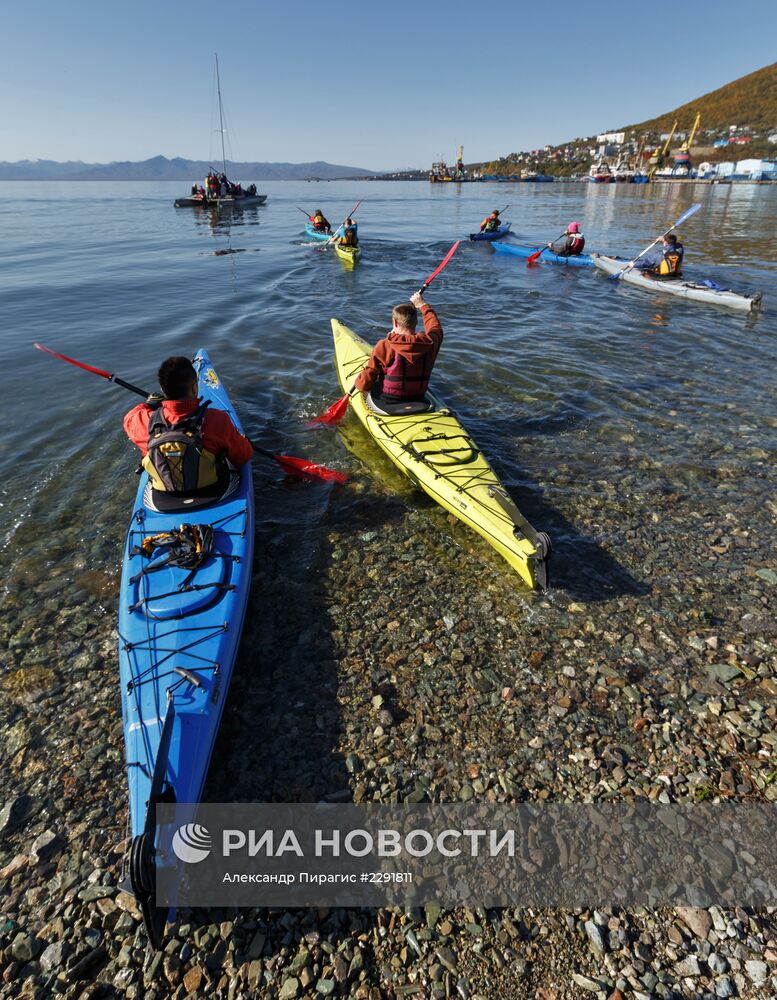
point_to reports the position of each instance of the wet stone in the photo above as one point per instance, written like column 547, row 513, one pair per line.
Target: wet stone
column 290, row 989
column 25, row 947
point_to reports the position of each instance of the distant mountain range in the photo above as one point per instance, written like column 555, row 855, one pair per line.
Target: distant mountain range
column 159, row 168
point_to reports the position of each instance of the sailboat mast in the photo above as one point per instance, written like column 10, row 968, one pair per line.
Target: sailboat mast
column 221, row 117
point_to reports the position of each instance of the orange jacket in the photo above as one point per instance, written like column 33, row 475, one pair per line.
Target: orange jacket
column 411, row 346
column 219, row 434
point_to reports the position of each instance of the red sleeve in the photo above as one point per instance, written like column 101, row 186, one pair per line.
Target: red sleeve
column 136, row 425
column 380, row 359
column 432, row 324
column 221, row 436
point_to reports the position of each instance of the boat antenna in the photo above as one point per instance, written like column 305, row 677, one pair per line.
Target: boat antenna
column 221, row 116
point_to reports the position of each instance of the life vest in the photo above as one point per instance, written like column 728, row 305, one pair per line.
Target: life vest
column 672, row 261
column 490, row 225
column 407, row 380
column 319, row 222
column 349, row 238
column 177, row 460
column 575, row 244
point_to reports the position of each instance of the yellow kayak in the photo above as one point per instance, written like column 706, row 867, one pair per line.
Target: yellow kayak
column 436, row 453
column 349, row 254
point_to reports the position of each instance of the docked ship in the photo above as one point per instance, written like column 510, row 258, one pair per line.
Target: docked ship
column 600, row 173
column 442, row 173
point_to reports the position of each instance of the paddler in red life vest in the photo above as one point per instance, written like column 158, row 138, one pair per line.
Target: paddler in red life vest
column 574, row 241
column 491, row 223
column 185, row 443
column 401, row 363
column 319, row 222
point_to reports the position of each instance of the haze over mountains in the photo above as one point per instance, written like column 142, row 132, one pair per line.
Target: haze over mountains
column 159, row 168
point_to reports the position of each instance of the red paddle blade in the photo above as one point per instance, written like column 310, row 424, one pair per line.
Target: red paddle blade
column 303, row 469
column 447, row 257
column 333, row 415
column 534, row 257
column 72, row 361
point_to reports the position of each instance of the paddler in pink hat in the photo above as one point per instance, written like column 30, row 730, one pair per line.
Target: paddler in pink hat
column 574, row 241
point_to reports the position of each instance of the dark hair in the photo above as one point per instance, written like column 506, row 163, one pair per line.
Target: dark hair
column 405, row 315
column 175, row 376
column 671, row 238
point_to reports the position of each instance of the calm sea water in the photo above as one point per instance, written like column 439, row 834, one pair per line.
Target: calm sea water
column 567, row 381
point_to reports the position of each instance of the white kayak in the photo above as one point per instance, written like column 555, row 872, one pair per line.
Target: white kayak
column 685, row 289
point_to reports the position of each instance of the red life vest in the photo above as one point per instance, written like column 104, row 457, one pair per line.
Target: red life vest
column 576, row 244
column 407, row 380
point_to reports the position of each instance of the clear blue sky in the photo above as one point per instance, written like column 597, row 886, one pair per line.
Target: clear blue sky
column 377, row 85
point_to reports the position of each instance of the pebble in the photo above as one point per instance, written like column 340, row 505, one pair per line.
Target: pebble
column 595, row 937
column 53, row 956
column 757, row 971
column 14, row 812
column 25, row 947
column 688, row 966
column 586, row 983
column 289, row 989
column 697, row 920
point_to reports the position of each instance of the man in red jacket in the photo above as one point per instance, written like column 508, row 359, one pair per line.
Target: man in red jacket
column 185, row 444
column 401, row 363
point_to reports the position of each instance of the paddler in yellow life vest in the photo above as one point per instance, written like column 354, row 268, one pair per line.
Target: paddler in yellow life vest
column 320, row 222
column 670, row 265
column 491, row 223
column 349, row 237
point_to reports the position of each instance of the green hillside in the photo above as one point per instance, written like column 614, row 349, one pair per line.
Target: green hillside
column 750, row 101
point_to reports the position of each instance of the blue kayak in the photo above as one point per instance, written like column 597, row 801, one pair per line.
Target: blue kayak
column 582, row 260
column 496, row 235
column 316, row 234
column 179, row 630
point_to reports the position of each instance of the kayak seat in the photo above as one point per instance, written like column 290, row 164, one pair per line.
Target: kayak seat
column 398, row 409
column 164, row 503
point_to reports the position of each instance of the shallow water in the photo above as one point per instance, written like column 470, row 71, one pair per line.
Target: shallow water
column 636, row 430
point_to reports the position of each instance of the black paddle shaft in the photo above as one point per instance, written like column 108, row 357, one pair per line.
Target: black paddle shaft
column 128, row 385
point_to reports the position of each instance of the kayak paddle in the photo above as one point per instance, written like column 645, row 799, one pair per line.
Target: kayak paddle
column 306, row 214
column 335, row 233
column 336, row 411
column 445, row 262
column 534, row 256
column 299, row 467
column 686, row 215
